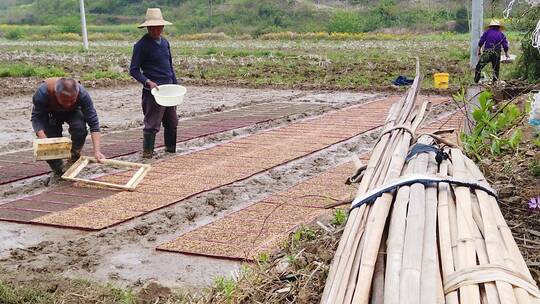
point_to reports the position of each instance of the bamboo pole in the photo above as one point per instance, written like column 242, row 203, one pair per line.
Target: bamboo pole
column 352, row 270
column 499, row 237
column 380, row 209
column 351, row 237
column 396, row 235
column 493, row 246
column 378, row 288
column 409, row 286
column 466, row 247
column 429, row 283
column 490, row 292
column 445, row 234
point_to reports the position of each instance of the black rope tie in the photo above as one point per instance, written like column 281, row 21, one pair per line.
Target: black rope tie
column 440, row 155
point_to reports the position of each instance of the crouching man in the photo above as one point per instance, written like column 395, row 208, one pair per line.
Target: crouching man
column 64, row 100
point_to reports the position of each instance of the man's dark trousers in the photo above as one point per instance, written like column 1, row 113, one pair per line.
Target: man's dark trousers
column 77, row 130
column 155, row 115
column 488, row 56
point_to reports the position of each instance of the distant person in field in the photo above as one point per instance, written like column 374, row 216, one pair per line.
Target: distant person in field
column 151, row 65
column 493, row 40
column 64, row 100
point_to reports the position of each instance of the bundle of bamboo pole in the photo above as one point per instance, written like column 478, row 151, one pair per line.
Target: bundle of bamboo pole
column 480, row 260
column 426, row 242
column 351, row 273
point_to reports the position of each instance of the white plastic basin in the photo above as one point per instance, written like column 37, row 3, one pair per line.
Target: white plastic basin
column 169, row 95
column 511, row 58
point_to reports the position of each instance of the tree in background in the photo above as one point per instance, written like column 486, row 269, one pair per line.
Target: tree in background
column 462, row 20
column 528, row 67
column 529, row 63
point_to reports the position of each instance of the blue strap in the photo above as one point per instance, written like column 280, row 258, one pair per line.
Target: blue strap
column 440, row 155
column 370, row 197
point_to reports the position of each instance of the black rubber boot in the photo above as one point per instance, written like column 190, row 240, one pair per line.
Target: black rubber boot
column 149, row 140
column 170, row 140
column 57, row 166
column 75, row 155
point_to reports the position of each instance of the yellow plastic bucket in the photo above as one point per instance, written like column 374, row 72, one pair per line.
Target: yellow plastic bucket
column 441, row 80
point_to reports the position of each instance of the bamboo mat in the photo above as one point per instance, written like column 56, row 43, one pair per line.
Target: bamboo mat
column 261, row 227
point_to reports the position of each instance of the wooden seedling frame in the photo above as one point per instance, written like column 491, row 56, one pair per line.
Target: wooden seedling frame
column 52, row 148
column 79, row 165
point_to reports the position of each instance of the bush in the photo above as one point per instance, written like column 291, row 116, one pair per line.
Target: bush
column 344, row 22
column 14, row 34
column 528, row 66
column 462, row 20
column 70, row 24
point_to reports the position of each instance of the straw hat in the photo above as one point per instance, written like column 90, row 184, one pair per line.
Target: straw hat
column 154, row 18
column 497, row 23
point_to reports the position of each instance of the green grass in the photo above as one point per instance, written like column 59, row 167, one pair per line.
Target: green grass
column 30, row 70
column 23, row 295
column 53, row 290
column 333, row 64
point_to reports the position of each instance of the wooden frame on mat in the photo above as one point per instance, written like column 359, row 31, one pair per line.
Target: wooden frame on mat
column 83, row 161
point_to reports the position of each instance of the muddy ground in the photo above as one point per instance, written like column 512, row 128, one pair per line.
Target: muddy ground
column 126, row 255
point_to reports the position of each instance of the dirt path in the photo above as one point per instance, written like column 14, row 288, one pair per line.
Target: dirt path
column 120, row 109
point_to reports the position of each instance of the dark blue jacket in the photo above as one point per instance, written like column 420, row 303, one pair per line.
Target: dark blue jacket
column 152, row 61
column 40, row 110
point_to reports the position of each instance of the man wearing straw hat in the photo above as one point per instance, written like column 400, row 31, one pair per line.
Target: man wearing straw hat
column 492, row 40
column 151, row 65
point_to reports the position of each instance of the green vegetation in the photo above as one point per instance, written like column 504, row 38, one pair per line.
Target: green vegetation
column 29, row 70
column 110, row 73
column 304, row 233
column 535, row 168
column 236, row 17
column 340, row 217
column 225, row 288
column 388, row 14
column 264, row 257
column 362, row 61
column 495, row 130
column 462, row 20
column 528, row 67
column 52, row 290
column 81, row 292
column 22, row 295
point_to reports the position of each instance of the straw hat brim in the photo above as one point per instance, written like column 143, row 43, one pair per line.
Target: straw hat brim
column 154, row 23
column 502, row 27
